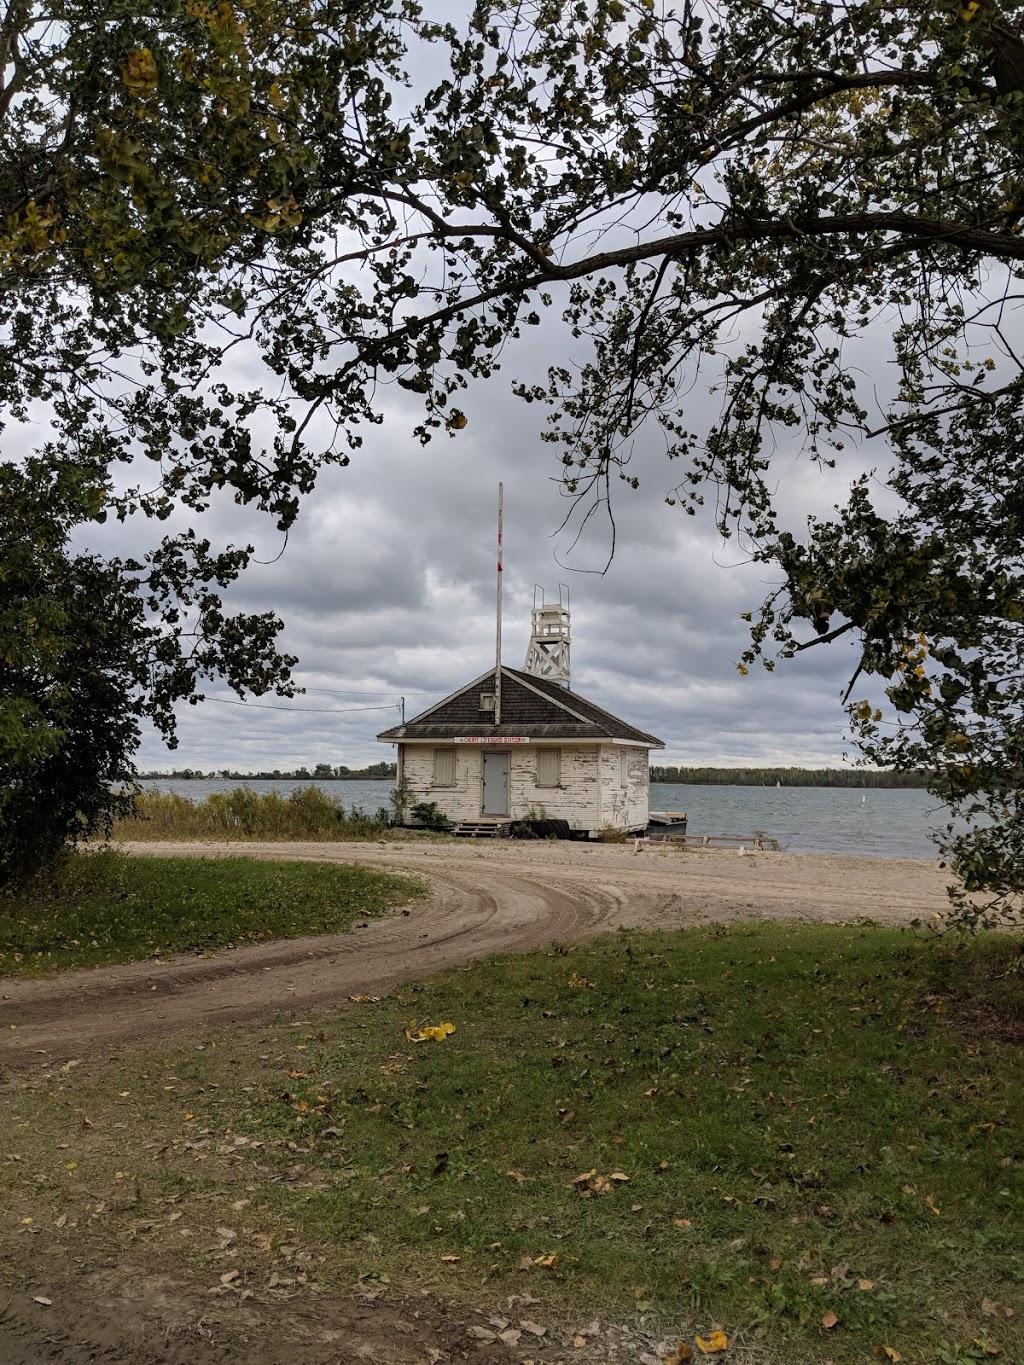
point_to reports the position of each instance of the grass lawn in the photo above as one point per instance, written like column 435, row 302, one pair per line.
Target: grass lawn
column 810, row 1136
column 104, row 907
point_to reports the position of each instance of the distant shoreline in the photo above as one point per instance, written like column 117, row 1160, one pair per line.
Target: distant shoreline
column 660, row 776
column 264, row 777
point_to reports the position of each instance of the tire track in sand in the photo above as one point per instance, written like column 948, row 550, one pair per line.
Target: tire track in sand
column 482, row 900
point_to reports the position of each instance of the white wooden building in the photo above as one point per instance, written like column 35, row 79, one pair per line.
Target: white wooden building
column 554, row 755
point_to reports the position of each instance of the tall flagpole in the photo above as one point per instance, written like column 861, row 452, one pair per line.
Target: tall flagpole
column 497, row 649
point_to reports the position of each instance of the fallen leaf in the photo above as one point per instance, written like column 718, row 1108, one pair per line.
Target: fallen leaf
column 829, row 1320
column 590, row 1182
column 865, row 1284
column 483, row 1334
column 41, row 1298
column 437, row 1032
column 230, row 1276
column 715, row 1344
column 451, row 1260
column 510, row 1336
column 365, row 999
column 681, row 1354
column 987, row 1306
column 579, row 1342
column 534, row 1328
column 887, row 1353
column 546, row 1261
column 517, row 1176
column 682, row 1222
column 931, row 1204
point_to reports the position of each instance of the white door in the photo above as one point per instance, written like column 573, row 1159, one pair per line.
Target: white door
column 495, row 784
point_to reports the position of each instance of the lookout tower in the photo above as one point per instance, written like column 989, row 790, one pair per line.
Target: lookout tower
column 548, row 654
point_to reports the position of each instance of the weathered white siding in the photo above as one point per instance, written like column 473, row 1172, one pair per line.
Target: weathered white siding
column 461, row 802
column 625, row 776
column 599, row 786
column 576, row 798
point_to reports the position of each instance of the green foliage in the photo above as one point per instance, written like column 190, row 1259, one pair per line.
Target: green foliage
column 69, row 664
column 307, row 813
column 104, row 907
column 429, row 815
column 740, row 196
column 84, row 653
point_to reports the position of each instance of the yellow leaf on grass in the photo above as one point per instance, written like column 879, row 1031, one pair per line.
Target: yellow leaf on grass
column 451, row 1260
column 715, row 1344
column 931, row 1204
column 548, row 1262
column 829, row 1320
column 429, row 1032
column 888, row 1353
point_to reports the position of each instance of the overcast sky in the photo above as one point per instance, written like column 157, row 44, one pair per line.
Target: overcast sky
column 387, row 589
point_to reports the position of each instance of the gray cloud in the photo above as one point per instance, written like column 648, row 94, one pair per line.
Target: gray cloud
column 387, row 588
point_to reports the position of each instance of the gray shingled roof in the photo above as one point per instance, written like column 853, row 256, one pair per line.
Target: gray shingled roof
column 530, row 706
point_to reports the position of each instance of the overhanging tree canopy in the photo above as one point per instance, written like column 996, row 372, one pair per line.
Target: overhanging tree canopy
column 725, row 194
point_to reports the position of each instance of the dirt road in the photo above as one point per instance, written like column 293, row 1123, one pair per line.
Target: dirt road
column 485, row 898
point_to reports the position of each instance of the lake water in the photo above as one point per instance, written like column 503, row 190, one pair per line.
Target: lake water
column 875, row 823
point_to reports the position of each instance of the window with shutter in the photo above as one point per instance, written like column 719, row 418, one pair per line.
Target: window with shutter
column 444, row 767
column 549, row 767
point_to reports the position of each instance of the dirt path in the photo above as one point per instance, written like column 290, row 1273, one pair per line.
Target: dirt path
column 493, row 898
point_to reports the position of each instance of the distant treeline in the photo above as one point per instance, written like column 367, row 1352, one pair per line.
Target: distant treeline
column 788, row 777
column 322, row 772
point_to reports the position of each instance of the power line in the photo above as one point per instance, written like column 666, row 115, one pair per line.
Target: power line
column 381, row 692
column 305, row 710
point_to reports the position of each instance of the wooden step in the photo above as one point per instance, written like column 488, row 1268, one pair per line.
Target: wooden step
column 478, row 829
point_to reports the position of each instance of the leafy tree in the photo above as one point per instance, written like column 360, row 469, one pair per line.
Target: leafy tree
column 745, row 195
column 88, row 646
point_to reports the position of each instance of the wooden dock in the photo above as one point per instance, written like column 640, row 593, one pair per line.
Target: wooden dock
column 756, row 843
